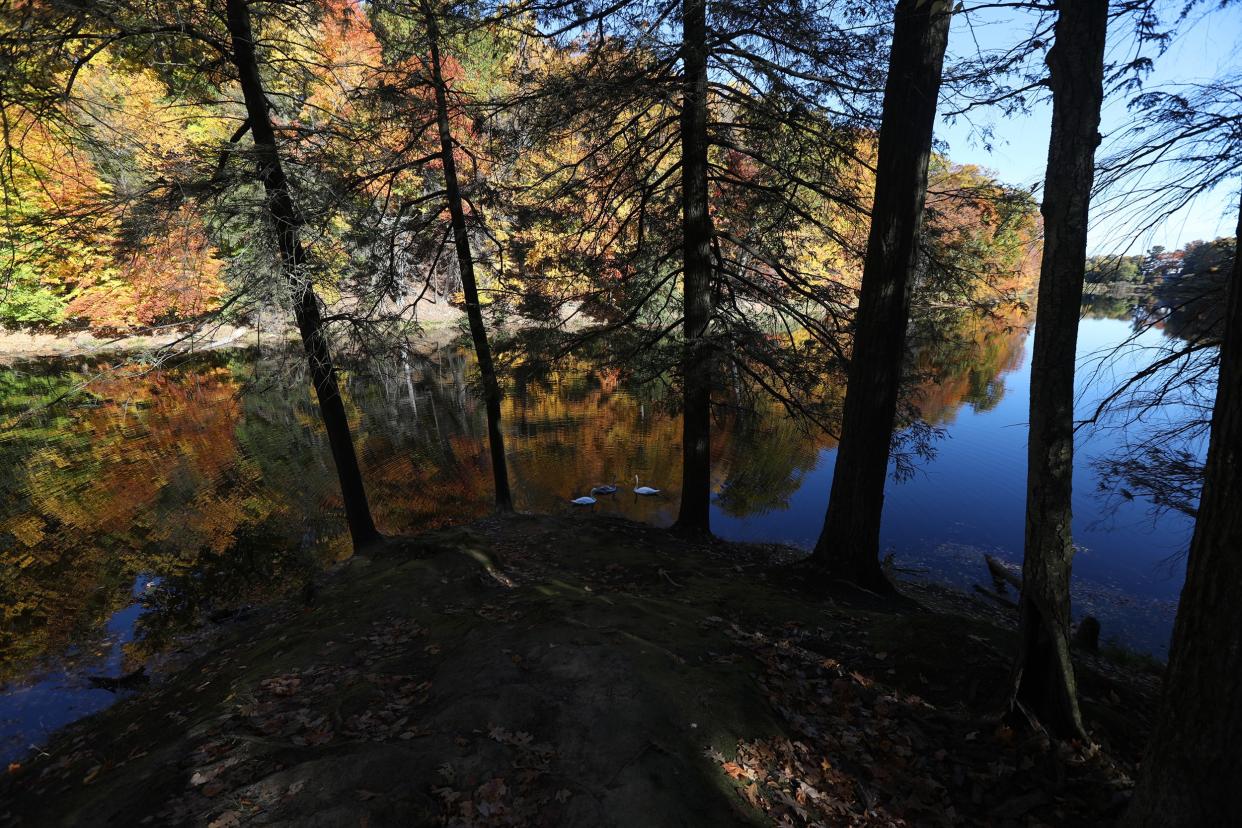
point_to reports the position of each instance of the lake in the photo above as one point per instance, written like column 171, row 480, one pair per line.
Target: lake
column 147, row 501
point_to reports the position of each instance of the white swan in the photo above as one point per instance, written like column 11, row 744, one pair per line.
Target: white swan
column 583, row 501
column 643, row 490
column 606, row 488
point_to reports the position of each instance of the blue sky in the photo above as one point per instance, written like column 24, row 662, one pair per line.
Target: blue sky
column 1208, row 45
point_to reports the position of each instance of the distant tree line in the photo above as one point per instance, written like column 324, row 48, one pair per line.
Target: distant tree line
column 1160, row 266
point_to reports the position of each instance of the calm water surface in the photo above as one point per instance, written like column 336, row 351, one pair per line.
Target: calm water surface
column 157, row 499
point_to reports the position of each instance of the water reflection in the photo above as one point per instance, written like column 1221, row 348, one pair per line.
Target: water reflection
column 210, row 484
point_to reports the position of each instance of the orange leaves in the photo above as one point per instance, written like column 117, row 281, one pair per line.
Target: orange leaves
column 347, row 36
column 175, row 274
column 348, row 54
column 983, row 226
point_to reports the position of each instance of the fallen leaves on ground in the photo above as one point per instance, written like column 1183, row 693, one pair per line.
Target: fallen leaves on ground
column 862, row 753
column 521, row 798
column 302, row 709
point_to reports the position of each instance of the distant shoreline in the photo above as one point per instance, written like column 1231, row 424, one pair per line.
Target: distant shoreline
column 22, row 345
column 17, row 345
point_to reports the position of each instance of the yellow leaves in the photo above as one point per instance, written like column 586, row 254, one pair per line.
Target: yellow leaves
column 50, row 456
column 47, row 170
column 28, row 529
column 131, row 106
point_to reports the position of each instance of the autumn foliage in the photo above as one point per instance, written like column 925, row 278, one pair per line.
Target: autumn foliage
column 112, row 218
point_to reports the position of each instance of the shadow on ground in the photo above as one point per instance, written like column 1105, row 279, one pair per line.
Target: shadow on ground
column 585, row 671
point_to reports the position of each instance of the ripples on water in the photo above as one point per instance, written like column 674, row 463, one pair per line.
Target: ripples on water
column 151, row 500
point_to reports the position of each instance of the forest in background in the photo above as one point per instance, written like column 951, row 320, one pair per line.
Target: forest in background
column 107, row 227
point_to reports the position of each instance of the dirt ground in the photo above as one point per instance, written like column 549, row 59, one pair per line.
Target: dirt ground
column 579, row 670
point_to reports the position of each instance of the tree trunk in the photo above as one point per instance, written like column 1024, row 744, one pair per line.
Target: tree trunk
column 694, row 514
column 1043, row 682
column 849, row 545
column 1194, row 764
column 465, row 262
column 287, row 223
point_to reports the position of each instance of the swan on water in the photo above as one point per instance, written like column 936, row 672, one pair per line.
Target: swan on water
column 606, row 488
column 643, row 490
column 583, row 501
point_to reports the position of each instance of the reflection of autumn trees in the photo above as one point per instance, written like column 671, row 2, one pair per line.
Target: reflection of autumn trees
column 173, row 475
column 572, row 433
column 768, row 456
column 962, row 362
column 577, row 428
column 97, row 493
column 214, row 478
column 154, row 439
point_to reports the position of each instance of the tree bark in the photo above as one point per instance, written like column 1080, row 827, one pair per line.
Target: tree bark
column 1194, row 763
column 849, row 544
column 1043, row 683
column 694, row 515
column 465, row 263
column 287, row 223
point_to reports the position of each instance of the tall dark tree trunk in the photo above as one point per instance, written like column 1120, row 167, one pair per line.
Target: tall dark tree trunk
column 1194, row 764
column 694, row 514
column 1044, row 686
column 287, row 223
column 849, row 545
column 465, row 262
